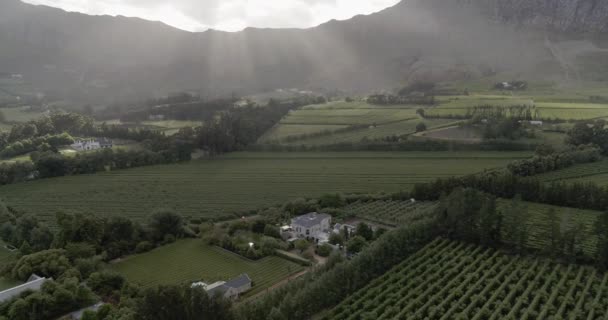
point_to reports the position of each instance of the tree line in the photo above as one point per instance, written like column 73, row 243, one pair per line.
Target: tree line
column 542, row 163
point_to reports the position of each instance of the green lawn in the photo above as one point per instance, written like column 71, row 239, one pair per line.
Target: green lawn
column 191, row 260
column 242, row 181
column 20, row 114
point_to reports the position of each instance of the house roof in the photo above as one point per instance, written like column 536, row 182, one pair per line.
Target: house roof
column 310, row 219
column 34, row 283
column 239, row 281
column 218, row 290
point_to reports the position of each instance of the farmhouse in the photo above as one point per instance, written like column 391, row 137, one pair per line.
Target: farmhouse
column 315, row 226
column 230, row 289
column 92, row 144
column 34, row 283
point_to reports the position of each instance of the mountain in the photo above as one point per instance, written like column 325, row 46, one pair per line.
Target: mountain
column 102, row 58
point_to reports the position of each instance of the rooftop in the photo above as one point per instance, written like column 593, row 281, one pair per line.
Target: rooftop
column 239, row 281
column 310, row 219
column 34, row 283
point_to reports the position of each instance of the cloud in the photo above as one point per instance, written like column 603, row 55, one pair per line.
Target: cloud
column 228, row 15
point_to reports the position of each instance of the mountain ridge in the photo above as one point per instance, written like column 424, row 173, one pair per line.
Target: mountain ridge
column 106, row 58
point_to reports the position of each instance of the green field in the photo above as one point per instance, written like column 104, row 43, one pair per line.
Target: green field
column 20, row 114
column 282, row 131
column 242, row 182
column 596, row 172
column 379, row 131
column 191, row 260
column 391, row 212
column 169, row 127
column 450, row 280
column 348, row 116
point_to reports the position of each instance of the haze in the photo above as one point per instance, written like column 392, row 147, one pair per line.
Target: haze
column 226, row 15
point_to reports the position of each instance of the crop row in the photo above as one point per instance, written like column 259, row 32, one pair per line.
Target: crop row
column 450, row 280
column 394, row 212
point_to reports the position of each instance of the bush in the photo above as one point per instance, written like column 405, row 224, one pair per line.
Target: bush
column 421, row 127
column 144, row 246
column 324, row 250
column 169, row 238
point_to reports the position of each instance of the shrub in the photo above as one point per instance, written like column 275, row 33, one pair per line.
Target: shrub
column 324, row 250
column 144, row 246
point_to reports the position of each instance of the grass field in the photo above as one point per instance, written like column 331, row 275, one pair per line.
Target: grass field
column 549, row 107
column 21, row 114
column 348, row 116
column 169, row 127
column 191, row 260
column 283, row 131
column 596, row 172
column 450, row 280
column 391, row 212
column 242, row 181
column 380, row 131
column 390, row 120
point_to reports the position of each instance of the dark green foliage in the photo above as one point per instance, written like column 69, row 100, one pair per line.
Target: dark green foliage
column 181, row 302
column 53, row 300
column 365, row 231
column 165, row 222
column 26, row 231
column 336, row 239
column 601, row 227
column 49, row 263
column 421, row 127
column 319, row 290
column 356, row 244
column 331, row 201
column 324, row 250
column 105, row 282
column 555, row 161
column 590, row 133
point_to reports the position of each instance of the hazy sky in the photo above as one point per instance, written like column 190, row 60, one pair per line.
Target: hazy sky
column 228, row 15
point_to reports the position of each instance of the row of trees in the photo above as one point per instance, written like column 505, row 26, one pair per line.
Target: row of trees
column 328, row 285
column 595, row 133
column 85, row 236
column 506, row 185
column 41, row 143
column 555, row 161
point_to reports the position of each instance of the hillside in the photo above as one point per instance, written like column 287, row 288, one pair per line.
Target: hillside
column 86, row 57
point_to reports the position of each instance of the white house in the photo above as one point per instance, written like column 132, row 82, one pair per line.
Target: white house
column 34, row 283
column 230, row 289
column 91, row 144
column 315, row 226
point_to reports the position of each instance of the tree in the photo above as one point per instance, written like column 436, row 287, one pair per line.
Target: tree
column 421, row 127
column 517, row 228
column 602, row 245
column 553, row 234
column 365, row 231
column 336, row 239
column 301, row 245
column 356, row 244
column 324, row 250
column 166, row 222
column 490, row 223
column 331, row 201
